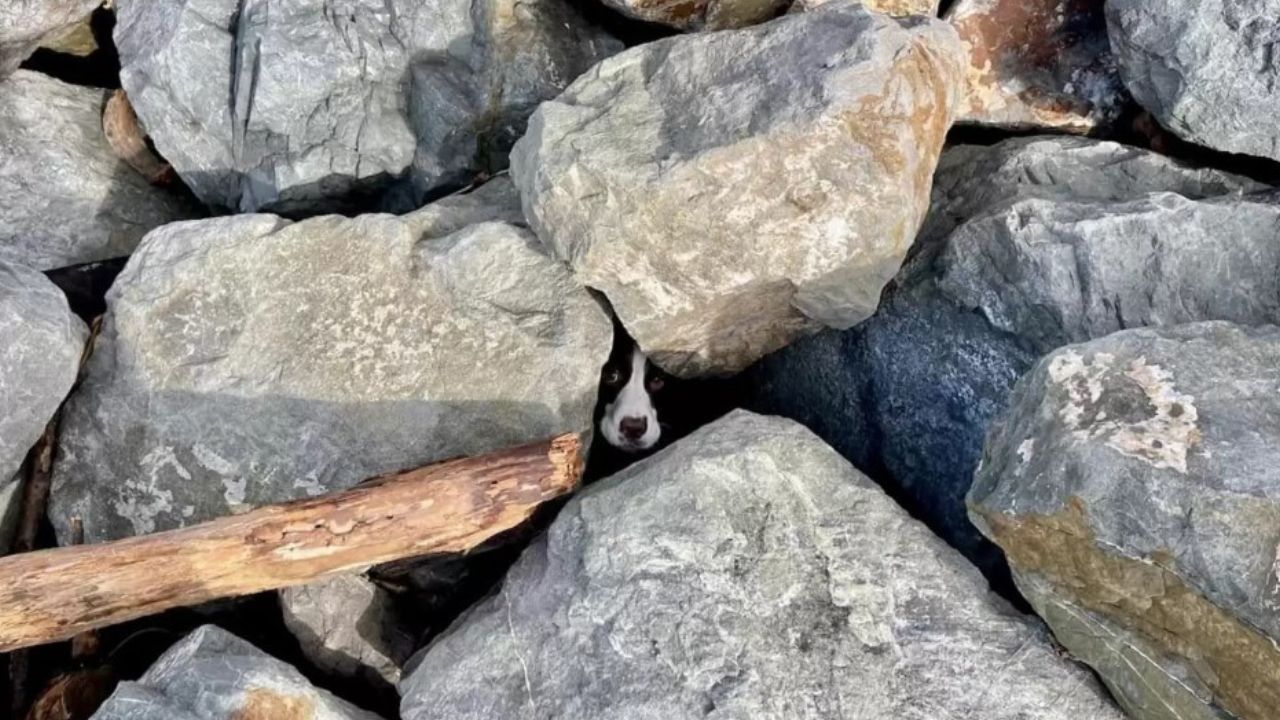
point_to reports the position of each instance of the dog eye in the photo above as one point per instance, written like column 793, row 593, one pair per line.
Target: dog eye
column 656, row 383
column 612, row 377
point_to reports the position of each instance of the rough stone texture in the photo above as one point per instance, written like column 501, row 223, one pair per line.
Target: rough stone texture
column 1038, row 64
column 927, row 8
column 65, row 198
column 348, row 627
column 10, row 507
column 732, row 191
column 748, row 571
column 24, row 24
column 40, row 347
column 1132, row 485
column 1054, row 272
column 699, row 14
column 247, row 360
column 1206, row 70
column 214, row 675
column 301, row 106
column 909, row 394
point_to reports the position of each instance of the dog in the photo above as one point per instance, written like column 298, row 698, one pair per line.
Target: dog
column 641, row 409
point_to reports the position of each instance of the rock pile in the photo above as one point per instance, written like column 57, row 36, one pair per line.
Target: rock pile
column 391, row 233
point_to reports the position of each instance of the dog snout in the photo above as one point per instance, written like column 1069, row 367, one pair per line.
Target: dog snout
column 633, row 428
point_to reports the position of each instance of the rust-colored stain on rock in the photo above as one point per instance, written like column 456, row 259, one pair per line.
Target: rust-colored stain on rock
column 264, row 704
column 1238, row 663
column 1015, row 49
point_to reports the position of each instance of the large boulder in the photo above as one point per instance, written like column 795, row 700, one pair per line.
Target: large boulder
column 214, row 675
column 730, row 192
column 292, row 106
column 247, row 360
column 25, row 24
column 1038, row 64
column 1132, row 484
column 40, row 347
column 349, row 628
column 1206, row 70
column 1024, row 239
column 748, row 571
column 65, row 199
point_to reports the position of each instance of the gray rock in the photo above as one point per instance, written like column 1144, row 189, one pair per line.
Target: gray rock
column 1206, row 70
column 65, row 199
column 733, row 191
column 348, row 627
column 10, row 508
column 748, row 571
column 699, row 14
column 889, row 7
column 214, row 675
column 24, row 24
column 40, row 347
column 1132, row 484
column 247, row 360
column 909, row 394
column 302, row 106
column 1058, row 271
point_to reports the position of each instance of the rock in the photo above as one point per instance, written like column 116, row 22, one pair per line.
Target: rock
column 1039, row 64
column 909, row 394
column 25, row 24
column 747, row 571
column 1132, row 485
column 348, row 627
column 699, row 14
column 730, row 192
column 248, row 360
column 65, row 199
column 214, row 675
column 928, row 8
column 40, row 347
column 10, row 510
column 383, row 77
column 1206, row 70
column 1058, row 271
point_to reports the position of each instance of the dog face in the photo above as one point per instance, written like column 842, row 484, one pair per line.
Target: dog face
column 630, row 392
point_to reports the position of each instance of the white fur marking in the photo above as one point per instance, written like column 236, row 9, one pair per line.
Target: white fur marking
column 632, row 402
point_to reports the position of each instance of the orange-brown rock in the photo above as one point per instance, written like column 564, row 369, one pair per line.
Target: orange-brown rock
column 1038, row 64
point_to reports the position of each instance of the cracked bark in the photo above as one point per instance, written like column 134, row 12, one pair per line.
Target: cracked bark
column 448, row 507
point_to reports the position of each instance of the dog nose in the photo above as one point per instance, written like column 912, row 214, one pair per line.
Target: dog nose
column 633, row 428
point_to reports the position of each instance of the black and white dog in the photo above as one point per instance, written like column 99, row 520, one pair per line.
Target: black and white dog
column 641, row 409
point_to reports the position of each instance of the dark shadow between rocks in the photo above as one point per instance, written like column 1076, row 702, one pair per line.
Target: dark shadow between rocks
column 906, row 404
column 101, row 68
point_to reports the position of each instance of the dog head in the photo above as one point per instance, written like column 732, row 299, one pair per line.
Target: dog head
column 631, row 390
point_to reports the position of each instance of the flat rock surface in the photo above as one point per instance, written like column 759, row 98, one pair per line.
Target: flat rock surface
column 247, row 360
column 748, row 571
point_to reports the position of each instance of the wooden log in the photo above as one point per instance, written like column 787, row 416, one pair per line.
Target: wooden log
column 448, row 507
column 127, row 141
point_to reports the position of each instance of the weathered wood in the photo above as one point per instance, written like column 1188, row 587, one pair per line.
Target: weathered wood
column 451, row 506
column 127, row 141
